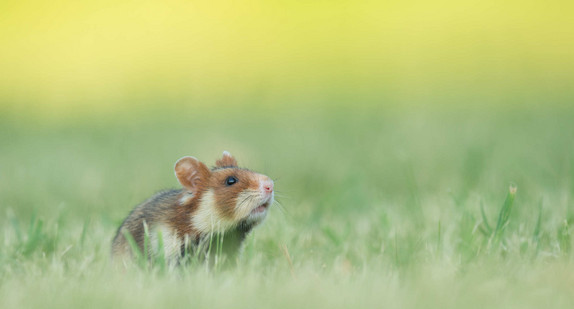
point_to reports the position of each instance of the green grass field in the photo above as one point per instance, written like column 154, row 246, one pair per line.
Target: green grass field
column 382, row 207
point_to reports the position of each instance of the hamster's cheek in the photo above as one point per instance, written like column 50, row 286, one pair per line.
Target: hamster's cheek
column 225, row 201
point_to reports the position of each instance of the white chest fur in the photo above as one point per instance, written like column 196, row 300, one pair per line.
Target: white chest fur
column 206, row 220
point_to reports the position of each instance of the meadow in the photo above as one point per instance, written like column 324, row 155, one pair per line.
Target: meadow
column 458, row 207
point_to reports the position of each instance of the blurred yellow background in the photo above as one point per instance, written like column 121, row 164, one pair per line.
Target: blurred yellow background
column 68, row 58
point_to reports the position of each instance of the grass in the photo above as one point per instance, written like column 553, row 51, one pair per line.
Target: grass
column 383, row 208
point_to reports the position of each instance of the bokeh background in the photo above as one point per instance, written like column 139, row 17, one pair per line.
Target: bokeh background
column 70, row 59
column 114, row 86
column 392, row 128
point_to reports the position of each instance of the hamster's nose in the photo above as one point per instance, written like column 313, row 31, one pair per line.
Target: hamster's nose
column 268, row 186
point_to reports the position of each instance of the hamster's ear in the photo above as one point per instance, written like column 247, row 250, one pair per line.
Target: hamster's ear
column 226, row 161
column 191, row 173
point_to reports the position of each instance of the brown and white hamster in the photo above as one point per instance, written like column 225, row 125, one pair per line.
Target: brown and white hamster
column 225, row 201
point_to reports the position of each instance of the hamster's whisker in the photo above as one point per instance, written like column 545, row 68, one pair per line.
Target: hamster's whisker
column 281, row 197
column 246, row 200
column 280, row 207
column 279, row 193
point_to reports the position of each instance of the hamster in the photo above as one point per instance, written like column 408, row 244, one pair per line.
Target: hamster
column 225, row 201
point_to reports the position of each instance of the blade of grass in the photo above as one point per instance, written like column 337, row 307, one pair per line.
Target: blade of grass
column 536, row 233
column 16, row 225
column 138, row 255
column 438, row 244
column 504, row 216
column 146, row 248
column 160, row 259
column 84, row 233
column 485, row 224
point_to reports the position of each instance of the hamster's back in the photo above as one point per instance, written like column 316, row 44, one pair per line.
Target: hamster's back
column 153, row 211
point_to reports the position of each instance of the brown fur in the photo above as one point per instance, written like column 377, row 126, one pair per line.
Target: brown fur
column 166, row 208
column 226, row 161
column 226, row 197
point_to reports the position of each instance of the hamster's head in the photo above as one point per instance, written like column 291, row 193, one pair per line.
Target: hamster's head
column 228, row 196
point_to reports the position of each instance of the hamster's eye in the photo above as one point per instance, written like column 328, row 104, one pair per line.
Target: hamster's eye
column 230, row 180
